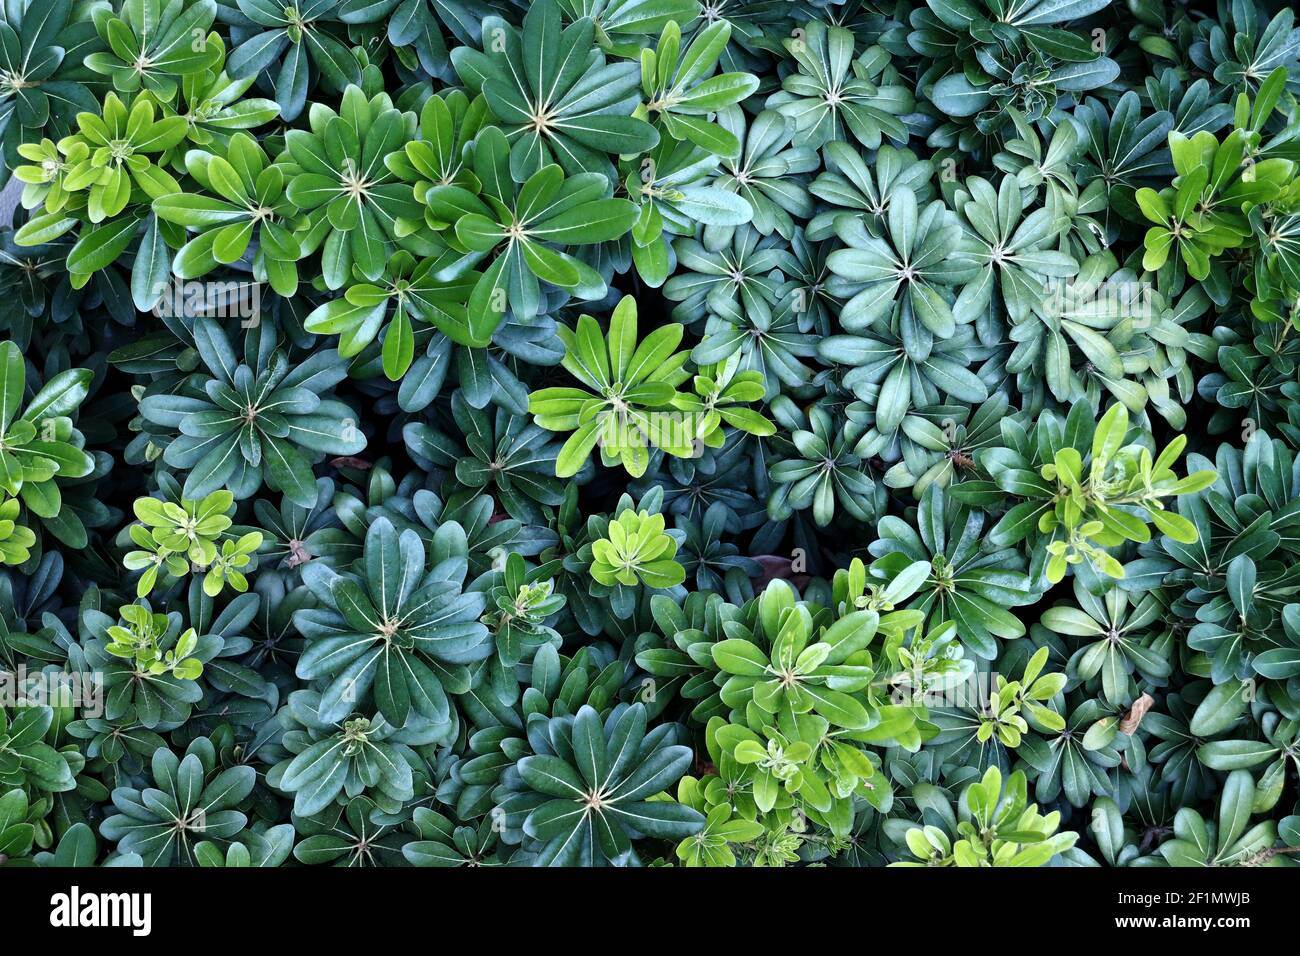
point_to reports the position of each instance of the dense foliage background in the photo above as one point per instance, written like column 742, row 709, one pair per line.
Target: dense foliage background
column 635, row 432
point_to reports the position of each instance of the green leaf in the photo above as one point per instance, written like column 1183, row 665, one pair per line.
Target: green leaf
column 13, row 377
column 740, row 657
column 99, row 246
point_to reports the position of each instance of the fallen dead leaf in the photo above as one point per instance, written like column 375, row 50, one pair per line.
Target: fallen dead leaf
column 1133, row 719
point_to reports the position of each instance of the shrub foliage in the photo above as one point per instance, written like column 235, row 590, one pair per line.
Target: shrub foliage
column 650, row 432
